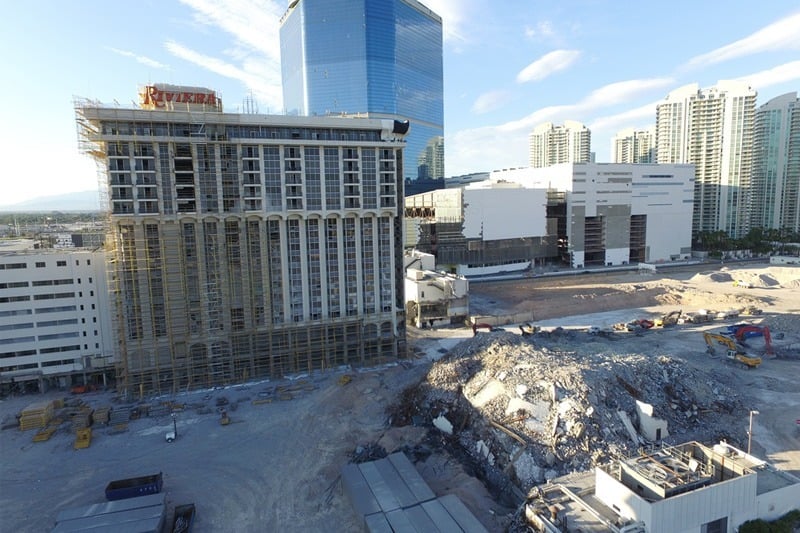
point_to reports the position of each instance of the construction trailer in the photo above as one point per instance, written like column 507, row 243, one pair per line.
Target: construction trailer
column 246, row 246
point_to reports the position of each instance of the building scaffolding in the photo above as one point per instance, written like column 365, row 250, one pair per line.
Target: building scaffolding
column 208, row 286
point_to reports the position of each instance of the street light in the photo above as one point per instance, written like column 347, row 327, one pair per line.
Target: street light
column 750, row 431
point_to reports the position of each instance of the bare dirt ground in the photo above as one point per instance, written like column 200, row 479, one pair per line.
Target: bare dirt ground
column 276, row 466
column 605, row 299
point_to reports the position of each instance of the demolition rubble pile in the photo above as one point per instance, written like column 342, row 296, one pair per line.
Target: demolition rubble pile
column 527, row 409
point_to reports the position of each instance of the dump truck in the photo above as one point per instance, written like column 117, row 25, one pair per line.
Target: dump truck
column 134, row 486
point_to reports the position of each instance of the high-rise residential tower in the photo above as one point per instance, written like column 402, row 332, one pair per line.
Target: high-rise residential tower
column 380, row 57
column 713, row 130
column 775, row 182
column 247, row 246
column 552, row 145
column 634, row 146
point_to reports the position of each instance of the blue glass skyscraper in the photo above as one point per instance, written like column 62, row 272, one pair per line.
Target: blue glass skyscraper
column 379, row 57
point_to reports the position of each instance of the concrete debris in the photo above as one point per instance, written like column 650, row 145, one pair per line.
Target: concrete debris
column 560, row 399
column 443, row 424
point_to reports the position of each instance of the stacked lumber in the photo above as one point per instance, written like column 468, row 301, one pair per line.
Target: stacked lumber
column 120, row 415
column 101, row 415
column 161, row 409
column 82, row 418
column 45, row 434
column 36, row 415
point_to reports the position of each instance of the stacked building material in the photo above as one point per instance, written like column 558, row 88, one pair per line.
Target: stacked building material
column 101, row 415
column 82, row 418
column 36, row 415
column 390, row 495
column 45, row 434
column 120, row 415
column 159, row 409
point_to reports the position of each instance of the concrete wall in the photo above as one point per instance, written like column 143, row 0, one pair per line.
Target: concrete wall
column 618, row 497
column 683, row 513
column 776, row 503
column 504, row 213
column 687, row 512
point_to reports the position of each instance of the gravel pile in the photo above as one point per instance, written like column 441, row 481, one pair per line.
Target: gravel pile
column 526, row 409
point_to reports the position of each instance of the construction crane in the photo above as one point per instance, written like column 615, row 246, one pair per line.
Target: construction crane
column 732, row 351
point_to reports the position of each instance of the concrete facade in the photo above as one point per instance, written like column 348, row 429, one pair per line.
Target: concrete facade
column 247, row 245
column 621, row 213
column 55, row 326
column 688, row 488
column 712, row 129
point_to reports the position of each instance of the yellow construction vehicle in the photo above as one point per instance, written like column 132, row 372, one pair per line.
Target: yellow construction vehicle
column 732, row 351
column 670, row 319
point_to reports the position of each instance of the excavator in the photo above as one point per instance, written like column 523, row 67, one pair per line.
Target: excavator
column 732, row 352
column 670, row 319
column 745, row 331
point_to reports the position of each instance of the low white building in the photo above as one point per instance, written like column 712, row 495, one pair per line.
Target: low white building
column 584, row 214
column 55, row 326
column 620, row 213
column 433, row 296
column 689, row 488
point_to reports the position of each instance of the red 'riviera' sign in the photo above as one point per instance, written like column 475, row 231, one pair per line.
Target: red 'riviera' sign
column 153, row 96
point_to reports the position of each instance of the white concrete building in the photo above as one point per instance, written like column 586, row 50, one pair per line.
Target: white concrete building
column 550, row 144
column 589, row 214
column 712, row 129
column 486, row 227
column 55, row 327
column 621, row 213
column 634, row 146
column 775, row 182
column 433, row 296
column 688, row 488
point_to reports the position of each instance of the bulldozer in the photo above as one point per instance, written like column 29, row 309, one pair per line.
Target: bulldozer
column 732, row 351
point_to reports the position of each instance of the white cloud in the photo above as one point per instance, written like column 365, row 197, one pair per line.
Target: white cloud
column 254, row 57
column 506, row 145
column 781, row 35
column 773, row 76
column 489, row 101
column 256, row 80
column 542, row 29
column 144, row 60
column 623, row 91
column 254, row 24
column 548, row 64
column 633, row 118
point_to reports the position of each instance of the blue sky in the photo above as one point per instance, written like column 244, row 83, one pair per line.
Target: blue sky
column 605, row 63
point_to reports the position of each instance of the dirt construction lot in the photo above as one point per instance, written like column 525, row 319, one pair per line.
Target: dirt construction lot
column 275, row 467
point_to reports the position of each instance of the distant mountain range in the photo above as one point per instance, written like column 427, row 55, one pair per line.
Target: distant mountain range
column 72, row 201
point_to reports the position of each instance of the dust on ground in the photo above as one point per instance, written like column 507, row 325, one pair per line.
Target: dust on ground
column 522, row 409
